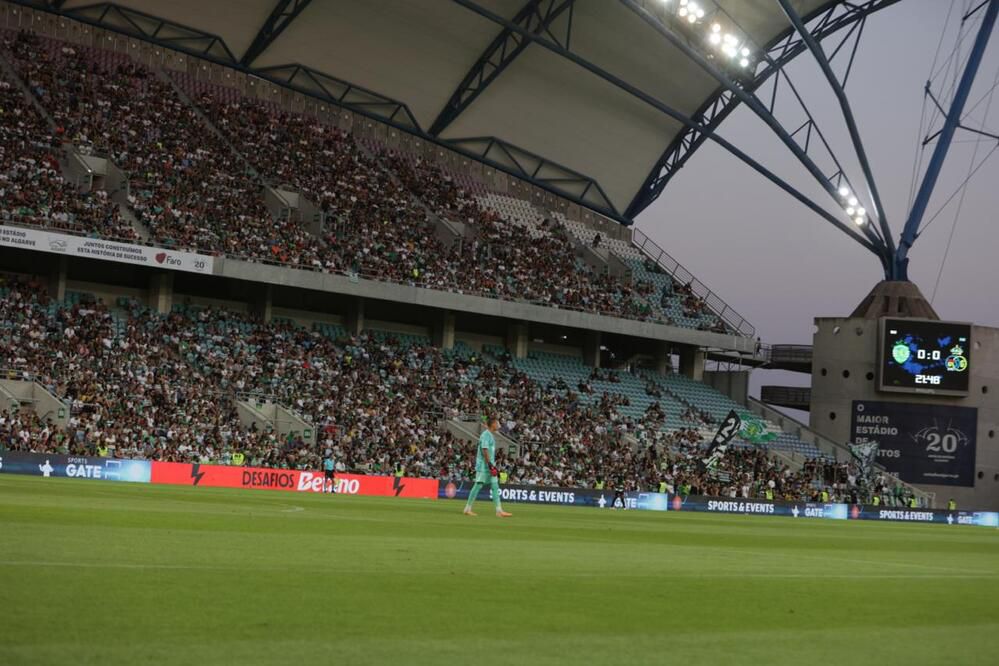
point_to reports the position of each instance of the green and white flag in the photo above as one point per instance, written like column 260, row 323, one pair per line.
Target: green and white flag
column 755, row 431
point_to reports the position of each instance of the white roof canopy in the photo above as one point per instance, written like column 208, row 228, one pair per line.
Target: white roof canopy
column 418, row 52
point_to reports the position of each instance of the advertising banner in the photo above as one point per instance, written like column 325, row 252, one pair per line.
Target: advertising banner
column 759, row 507
column 44, row 465
column 222, row 476
column 93, row 248
column 921, row 444
column 538, row 495
column 653, row 502
column 895, row 514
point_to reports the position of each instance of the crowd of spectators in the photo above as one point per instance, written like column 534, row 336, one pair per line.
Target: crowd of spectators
column 144, row 385
column 197, row 173
column 185, row 182
column 32, row 187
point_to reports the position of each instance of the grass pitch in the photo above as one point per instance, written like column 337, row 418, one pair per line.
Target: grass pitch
column 108, row 573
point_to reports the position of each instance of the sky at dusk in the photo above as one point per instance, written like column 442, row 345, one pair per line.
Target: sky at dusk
column 780, row 265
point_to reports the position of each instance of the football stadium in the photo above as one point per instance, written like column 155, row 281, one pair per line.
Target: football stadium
column 379, row 332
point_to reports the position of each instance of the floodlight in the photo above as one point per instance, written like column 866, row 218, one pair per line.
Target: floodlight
column 714, row 38
column 844, row 191
column 744, row 62
column 850, row 211
column 715, row 28
column 861, row 211
column 859, row 220
column 852, row 201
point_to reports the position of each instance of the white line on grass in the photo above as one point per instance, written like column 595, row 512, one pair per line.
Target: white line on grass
column 578, row 574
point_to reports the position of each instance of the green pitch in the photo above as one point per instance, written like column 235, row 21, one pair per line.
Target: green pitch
column 106, row 573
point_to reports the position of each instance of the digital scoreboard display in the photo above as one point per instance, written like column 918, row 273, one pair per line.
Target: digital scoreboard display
column 925, row 356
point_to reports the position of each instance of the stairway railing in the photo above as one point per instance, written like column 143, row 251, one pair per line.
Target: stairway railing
column 682, row 276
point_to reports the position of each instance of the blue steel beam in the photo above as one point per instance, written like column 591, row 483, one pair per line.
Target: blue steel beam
column 761, row 112
column 284, row 12
column 858, row 145
column 900, row 266
column 499, row 55
column 713, row 112
column 665, row 109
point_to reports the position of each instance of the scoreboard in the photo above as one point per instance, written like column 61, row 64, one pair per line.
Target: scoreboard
column 924, row 356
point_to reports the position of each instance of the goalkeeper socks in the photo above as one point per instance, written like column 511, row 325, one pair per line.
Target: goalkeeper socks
column 472, row 494
column 494, row 484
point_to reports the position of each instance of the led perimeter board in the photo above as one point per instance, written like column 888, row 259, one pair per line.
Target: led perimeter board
column 924, row 356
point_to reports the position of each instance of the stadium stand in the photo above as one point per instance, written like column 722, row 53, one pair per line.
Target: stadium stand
column 185, row 184
column 201, row 160
column 145, row 385
column 200, row 185
column 32, row 187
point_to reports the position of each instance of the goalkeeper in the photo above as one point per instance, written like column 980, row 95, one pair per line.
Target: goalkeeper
column 485, row 469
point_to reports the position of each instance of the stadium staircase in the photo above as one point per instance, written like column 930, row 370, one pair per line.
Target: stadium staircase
column 270, row 415
column 637, row 253
column 11, row 76
column 140, row 229
column 289, row 204
column 469, row 430
column 178, row 90
column 19, row 391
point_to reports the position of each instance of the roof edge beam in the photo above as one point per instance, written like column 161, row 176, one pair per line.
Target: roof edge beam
column 499, row 55
column 108, row 11
column 667, row 110
column 858, row 145
column 757, row 107
column 723, row 103
column 284, row 12
column 559, row 173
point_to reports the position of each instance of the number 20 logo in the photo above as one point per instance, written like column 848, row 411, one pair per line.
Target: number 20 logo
column 941, row 443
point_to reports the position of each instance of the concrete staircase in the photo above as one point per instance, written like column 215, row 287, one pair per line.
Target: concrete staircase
column 11, row 75
column 284, row 203
column 469, row 431
column 21, row 393
column 269, row 414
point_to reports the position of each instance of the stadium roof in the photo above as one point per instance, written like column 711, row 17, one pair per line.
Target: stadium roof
column 458, row 70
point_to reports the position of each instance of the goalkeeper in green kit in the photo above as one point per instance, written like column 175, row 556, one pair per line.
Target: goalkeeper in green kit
column 485, row 469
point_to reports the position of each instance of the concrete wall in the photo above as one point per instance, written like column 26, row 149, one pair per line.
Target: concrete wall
column 512, row 310
column 844, row 369
column 734, row 384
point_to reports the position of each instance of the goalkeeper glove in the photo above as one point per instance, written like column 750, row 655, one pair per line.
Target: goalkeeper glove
column 493, row 471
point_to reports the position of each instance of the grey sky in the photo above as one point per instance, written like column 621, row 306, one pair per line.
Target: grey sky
column 779, row 264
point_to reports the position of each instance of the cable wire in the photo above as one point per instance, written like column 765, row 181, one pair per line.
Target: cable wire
column 972, row 169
